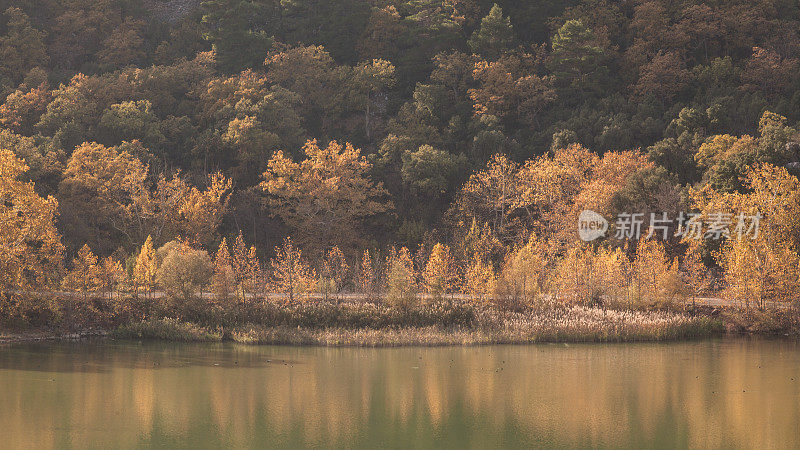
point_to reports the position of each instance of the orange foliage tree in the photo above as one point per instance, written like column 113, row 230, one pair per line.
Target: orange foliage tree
column 145, row 270
column 401, row 283
column 326, row 197
column 366, row 278
column 30, row 246
column 335, row 271
column 441, row 274
column 85, row 276
column 291, row 275
column 112, row 274
column 760, row 263
column 223, row 281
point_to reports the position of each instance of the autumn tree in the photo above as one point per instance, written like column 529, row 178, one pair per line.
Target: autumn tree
column 254, row 275
column 249, row 116
column 223, row 280
column 306, row 71
column 573, row 279
column 291, row 275
column 112, row 275
column 477, row 241
column 479, row 279
column 593, row 276
column 367, row 275
column 511, row 89
column 85, row 276
column 43, row 162
column 490, row 196
column 335, row 270
column 115, row 185
column 240, row 262
column 124, row 46
column 78, row 31
column 441, row 274
column 522, row 280
column 202, row 210
column 107, row 182
column 655, row 279
column 726, row 159
column 769, row 72
column 22, row 108
column 665, row 76
column 401, row 283
column 30, row 245
column 760, row 253
column 131, row 120
column 145, row 270
column 695, row 273
column 327, row 197
column 550, row 188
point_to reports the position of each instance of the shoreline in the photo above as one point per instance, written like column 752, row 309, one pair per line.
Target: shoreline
column 434, row 324
column 11, row 337
column 368, row 338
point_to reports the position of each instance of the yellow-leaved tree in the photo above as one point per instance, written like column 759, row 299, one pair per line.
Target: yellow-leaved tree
column 113, row 183
column 401, row 285
column 760, row 256
column 656, row 279
column 202, row 210
column 367, row 279
column 254, row 275
column 479, row 280
column 695, row 273
column 549, row 187
column 522, row 280
column 441, row 274
column 145, row 270
column 239, row 263
column 223, row 281
column 326, row 197
column 334, row 271
column 85, row 275
column 30, row 246
column 491, row 197
column 112, row 274
column 291, row 275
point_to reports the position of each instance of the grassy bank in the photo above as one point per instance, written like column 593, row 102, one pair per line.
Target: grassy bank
column 376, row 325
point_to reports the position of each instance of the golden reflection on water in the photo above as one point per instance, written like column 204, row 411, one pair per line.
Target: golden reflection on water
column 733, row 392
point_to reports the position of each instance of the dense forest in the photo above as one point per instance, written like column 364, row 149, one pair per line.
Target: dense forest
column 451, row 142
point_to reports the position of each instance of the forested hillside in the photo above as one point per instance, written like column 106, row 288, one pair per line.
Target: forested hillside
column 367, row 124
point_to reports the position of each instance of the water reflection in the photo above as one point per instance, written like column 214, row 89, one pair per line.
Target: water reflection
column 734, row 392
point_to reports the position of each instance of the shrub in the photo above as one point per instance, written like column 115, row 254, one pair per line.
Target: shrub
column 183, row 271
column 167, row 329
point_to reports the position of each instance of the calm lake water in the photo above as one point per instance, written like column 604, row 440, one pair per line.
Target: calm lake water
column 102, row 394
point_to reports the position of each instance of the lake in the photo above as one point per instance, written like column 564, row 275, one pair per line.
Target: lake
column 732, row 392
